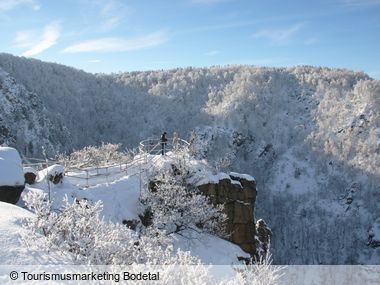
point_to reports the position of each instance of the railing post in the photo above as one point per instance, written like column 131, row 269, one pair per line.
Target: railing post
column 87, row 178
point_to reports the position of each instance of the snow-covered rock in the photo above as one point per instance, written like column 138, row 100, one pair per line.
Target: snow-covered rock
column 53, row 173
column 11, row 172
column 52, row 170
column 11, row 175
column 238, row 195
column 28, row 169
column 374, row 234
column 30, row 175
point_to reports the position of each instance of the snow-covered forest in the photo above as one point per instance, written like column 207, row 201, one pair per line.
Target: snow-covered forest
column 309, row 135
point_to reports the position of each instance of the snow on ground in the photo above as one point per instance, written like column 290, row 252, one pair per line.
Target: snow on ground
column 14, row 251
column 202, row 173
column 211, row 178
column 11, row 172
column 119, row 192
column 120, row 198
column 242, row 176
column 209, row 249
column 29, row 169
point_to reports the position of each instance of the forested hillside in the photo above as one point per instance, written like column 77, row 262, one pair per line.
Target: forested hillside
column 309, row 135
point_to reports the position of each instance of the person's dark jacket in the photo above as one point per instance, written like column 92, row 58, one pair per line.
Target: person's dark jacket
column 163, row 138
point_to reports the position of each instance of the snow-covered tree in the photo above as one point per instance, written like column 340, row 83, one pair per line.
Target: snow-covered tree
column 259, row 272
column 177, row 208
column 78, row 231
column 92, row 156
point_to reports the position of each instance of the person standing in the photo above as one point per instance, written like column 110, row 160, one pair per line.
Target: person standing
column 163, row 141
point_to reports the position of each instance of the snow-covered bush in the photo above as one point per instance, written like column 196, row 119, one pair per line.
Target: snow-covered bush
column 91, row 156
column 177, row 207
column 259, row 272
column 78, row 231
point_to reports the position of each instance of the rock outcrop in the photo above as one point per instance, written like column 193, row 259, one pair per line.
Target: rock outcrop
column 10, row 194
column 264, row 236
column 374, row 234
column 30, row 175
column 54, row 173
column 238, row 194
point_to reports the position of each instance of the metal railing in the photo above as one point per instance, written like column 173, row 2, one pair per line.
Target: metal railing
column 132, row 167
column 154, row 146
column 37, row 163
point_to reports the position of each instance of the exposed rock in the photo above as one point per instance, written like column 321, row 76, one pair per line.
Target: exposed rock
column 30, row 175
column 57, row 178
column 153, row 184
column 264, row 235
column 30, row 178
column 10, row 194
column 131, row 224
column 238, row 194
column 54, row 173
column 146, row 218
column 374, row 234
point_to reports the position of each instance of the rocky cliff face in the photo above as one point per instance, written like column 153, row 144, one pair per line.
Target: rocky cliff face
column 238, row 194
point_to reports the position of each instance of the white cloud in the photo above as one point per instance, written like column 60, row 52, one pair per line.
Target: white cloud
column 111, row 13
column 212, row 52
column 118, row 44
column 94, row 60
column 35, row 46
column 6, row 5
column 280, row 36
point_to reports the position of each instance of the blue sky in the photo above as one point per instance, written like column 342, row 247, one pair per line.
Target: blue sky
column 116, row 35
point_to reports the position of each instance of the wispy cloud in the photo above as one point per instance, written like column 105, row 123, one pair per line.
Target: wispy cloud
column 94, row 60
column 279, row 36
column 113, row 13
column 109, row 14
column 119, row 44
column 6, row 5
column 212, row 53
column 37, row 45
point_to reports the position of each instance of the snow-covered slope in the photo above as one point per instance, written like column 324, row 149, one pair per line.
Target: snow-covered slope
column 23, row 123
column 13, row 250
column 120, row 196
column 310, row 136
